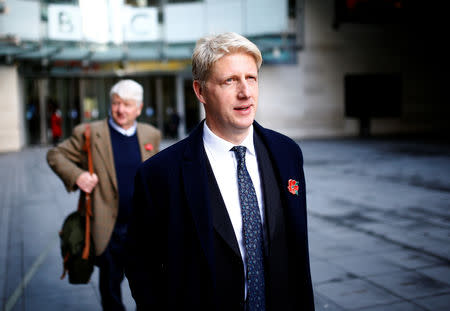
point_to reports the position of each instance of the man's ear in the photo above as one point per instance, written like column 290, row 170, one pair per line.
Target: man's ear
column 139, row 110
column 199, row 90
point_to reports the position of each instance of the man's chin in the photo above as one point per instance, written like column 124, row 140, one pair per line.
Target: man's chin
column 245, row 124
column 120, row 123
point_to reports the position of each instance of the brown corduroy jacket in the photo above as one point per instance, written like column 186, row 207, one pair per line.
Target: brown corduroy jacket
column 68, row 160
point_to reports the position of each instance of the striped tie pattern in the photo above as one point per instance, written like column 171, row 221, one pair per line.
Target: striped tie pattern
column 253, row 235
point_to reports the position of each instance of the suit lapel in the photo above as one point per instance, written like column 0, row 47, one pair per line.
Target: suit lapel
column 272, row 203
column 221, row 219
column 277, row 273
column 102, row 144
column 284, row 166
column 196, row 186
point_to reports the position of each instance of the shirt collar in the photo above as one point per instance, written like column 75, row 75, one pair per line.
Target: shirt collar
column 130, row 132
column 221, row 146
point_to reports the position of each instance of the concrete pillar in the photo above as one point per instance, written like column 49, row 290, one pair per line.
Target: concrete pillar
column 11, row 119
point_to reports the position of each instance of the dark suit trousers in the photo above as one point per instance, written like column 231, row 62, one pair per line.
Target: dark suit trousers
column 111, row 264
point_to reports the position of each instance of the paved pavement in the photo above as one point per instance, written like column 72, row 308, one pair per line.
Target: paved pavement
column 379, row 228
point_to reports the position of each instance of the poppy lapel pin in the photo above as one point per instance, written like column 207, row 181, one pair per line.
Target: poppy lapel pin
column 148, row 147
column 293, row 186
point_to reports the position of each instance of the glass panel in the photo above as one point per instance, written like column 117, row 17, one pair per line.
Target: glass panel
column 148, row 114
column 70, row 107
column 183, row 1
column 266, row 17
column 224, row 16
column 64, row 22
column 32, row 111
column 94, row 99
column 22, row 20
column 177, row 16
column 169, row 105
column 143, row 3
column 192, row 106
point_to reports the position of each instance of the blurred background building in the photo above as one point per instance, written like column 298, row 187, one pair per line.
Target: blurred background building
column 331, row 68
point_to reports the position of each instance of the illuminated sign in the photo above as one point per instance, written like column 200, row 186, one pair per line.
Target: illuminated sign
column 64, row 22
column 141, row 24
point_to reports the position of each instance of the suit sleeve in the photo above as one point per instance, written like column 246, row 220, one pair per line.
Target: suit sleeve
column 67, row 158
column 306, row 293
column 145, row 255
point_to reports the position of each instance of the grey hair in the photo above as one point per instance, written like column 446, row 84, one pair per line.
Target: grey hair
column 128, row 89
column 210, row 49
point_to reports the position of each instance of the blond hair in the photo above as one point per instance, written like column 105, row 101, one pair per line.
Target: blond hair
column 211, row 48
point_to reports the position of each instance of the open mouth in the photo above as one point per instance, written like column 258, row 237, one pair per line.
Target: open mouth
column 242, row 108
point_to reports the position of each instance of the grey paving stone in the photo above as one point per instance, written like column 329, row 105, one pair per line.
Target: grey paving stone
column 2, row 298
column 14, row 273
column 322, row 303
column 47, row 279
column 325, row 271
column 356, row 294
column 410, row 284
column 410, row 259
column 326, row 248
column 441, row 233
column 437, row 247
column 19, row 306
column 325, row 228
column 401, row 306
column 382, row 229
column 79, row 299
column 364, row 265
column 435, row 303
column 440, row 273
column 369, row 243
column 46, row 283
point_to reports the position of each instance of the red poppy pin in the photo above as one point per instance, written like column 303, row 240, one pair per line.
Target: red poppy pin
column 148, row 147
column 293, row 186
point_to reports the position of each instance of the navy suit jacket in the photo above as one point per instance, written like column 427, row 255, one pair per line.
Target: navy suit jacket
column 172, row 243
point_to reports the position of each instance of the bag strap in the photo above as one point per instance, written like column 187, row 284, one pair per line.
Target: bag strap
column 88, row 210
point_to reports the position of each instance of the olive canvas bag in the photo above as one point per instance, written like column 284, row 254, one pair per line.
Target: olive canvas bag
column 77, row 245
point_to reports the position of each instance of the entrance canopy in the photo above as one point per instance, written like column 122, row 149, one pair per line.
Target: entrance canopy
column 82, row 36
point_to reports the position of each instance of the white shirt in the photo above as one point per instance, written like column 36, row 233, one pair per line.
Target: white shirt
column 129, row 132
column 224, row 166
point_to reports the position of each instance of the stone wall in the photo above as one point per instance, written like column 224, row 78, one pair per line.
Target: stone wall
column 307, row 99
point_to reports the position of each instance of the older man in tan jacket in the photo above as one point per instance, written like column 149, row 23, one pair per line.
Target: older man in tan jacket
column 119, row 144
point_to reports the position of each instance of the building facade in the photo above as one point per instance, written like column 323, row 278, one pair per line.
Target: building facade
column 330, row 68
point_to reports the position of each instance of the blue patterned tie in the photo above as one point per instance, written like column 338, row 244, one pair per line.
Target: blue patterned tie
column 253, row 235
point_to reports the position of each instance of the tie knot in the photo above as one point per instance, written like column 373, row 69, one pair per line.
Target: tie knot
column 239, row 151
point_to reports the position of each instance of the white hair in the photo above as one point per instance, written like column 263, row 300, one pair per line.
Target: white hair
column 128, row 89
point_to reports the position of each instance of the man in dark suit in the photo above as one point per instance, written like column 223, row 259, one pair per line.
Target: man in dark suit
column 220, row 217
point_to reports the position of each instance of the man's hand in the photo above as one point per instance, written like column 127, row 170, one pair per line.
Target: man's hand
column 86, row 182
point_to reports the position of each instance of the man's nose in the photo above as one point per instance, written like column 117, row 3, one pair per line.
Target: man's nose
column 244, row 89
column 120, row 108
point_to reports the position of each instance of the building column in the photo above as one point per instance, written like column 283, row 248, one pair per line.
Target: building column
column 43, row 95
column 159, row 104
column 179, row 87
column 12, row 136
